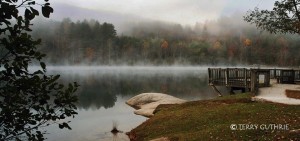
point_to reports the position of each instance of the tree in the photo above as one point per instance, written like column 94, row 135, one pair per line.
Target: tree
column 164, row 45
column 29, row 99
column 284, row 18
column 108, row 31
column 90, row 53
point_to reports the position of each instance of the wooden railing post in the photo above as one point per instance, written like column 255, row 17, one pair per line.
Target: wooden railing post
column 219, row 74
column 293, row 75
column 245, row 78
column 226, row 76
column 253, row 81
column 209, row 76
column 268, row 78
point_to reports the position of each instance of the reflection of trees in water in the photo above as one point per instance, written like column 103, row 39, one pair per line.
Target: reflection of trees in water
column 98, row 91
column 180, row 86
column 95, row 93
column 93, row 96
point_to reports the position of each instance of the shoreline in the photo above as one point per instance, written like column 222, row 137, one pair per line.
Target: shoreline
column 177, row 122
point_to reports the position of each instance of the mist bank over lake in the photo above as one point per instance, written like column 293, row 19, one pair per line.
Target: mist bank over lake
column 226, row 41
column 129, row 72
column 142, row 69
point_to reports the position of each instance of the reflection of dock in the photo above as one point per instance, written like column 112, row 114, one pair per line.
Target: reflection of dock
column 250, row 79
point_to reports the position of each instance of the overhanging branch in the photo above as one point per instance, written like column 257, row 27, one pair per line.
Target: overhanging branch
column 296, row 10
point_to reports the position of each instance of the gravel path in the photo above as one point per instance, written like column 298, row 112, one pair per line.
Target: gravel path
column 276, row 93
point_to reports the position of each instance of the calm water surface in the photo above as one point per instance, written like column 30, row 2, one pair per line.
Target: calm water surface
column 105, row 89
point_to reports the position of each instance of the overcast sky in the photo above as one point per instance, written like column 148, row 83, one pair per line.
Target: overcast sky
column 186, row 12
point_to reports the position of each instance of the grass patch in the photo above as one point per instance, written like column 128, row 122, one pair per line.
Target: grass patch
column 211, row 120
column 292, row 94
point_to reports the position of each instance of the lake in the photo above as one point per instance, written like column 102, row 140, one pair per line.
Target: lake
column 104, row 90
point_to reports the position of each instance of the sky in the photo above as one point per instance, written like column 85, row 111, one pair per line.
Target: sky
column 185, row 12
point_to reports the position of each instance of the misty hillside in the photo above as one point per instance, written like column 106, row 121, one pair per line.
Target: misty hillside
column 228, row 41
column 77, row 13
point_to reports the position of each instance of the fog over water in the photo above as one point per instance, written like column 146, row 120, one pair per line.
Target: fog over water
column 141, row 70
column 105, row 89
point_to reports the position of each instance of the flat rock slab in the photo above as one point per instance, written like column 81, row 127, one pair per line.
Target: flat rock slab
column 146, row 103
column 276, row 94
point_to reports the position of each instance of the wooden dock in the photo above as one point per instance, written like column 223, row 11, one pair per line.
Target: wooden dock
column 250, row 79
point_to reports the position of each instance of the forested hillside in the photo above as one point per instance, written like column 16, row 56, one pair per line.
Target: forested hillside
column 226, row 41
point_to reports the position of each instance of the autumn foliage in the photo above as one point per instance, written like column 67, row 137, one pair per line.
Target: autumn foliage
column 94, row 42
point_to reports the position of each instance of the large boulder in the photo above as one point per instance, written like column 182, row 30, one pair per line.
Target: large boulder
column 146, row 103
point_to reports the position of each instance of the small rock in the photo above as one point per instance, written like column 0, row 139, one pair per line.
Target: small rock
column 115, row 131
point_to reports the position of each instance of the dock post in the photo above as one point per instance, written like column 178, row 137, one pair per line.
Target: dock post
column 209, row 76
column 226, row 76
column 216, row 90
column 245, row 78
column 253, row 82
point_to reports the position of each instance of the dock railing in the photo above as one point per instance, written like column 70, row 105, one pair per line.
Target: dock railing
column 233, row 77
column 285, row 76
column 250, row 79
